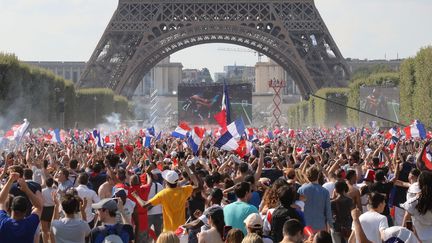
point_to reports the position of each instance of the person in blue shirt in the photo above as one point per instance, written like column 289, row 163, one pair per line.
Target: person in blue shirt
column 317, row 210
column 235, row 213
column 18, row 227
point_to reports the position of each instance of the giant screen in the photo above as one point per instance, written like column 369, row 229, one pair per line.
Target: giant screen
column 198, row 103
column 380, row 101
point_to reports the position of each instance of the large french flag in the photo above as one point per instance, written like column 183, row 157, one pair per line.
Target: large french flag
column 229, row 140
column 17, row 131
column 224, row 116
column 392, row 132
column 196, row 138
column 181, row 131
column 98, row 139
column 415, row 130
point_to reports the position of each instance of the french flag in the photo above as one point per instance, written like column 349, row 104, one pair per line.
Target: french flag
column 415, row 130
column 244, row 147
column 229, row 140
column 251, row 134
column 427, row 158
column 181, row 131
column 224, row 116
column 392, row 132
column 196, row 138
column 291, row 133
column 17, row 131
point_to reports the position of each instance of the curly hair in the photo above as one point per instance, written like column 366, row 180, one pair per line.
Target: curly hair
column 271, row 198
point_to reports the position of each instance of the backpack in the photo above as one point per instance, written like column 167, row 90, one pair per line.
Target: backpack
column 113, row 237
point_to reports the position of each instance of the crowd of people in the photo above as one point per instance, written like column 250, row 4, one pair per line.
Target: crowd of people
column 314, row 186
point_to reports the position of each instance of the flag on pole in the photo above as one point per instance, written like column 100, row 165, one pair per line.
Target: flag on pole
column 151, row 131
column 223, row 118
column 55, row 136
column 147, row 141
column 98, row 139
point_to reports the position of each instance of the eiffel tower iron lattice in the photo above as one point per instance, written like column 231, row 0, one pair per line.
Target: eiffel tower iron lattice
column 143, row 32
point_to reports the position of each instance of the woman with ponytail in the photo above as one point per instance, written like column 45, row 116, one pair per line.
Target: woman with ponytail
column 215, row 233
column 420, row 208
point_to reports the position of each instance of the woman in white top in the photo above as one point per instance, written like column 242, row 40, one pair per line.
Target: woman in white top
column 215, row 233
column 48, row 209
column 420, row 208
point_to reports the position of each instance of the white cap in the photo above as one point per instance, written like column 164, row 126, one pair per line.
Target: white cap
column 254, row 220
column 170, row 176
column 173, row 154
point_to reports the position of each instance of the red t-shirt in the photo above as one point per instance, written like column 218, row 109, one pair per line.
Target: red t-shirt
column 143, row 192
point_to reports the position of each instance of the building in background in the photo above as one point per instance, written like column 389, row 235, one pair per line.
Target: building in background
column 67, row 70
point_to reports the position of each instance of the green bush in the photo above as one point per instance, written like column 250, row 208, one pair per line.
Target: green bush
column 407, row 87
column 327, row 113
column 422, row 102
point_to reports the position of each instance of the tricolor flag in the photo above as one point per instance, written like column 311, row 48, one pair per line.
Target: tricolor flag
column 415, row 130
column 147, row 141
column 151, row 131
column 181, row 131
column 17, row 131
column 224, row 116
column 196, row 138
column 392, row 132
column 427, row 158
column 229, row 140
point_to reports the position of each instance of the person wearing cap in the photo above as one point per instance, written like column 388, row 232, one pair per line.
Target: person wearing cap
column 254, row 224
column 19, row 227
column 127, row 211
column 173, row 198
column 155, row 218
column 111, row 229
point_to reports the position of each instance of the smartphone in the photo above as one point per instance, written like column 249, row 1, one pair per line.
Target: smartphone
column 226, row 229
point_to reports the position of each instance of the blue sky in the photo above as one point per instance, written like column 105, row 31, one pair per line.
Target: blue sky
column 68, row 30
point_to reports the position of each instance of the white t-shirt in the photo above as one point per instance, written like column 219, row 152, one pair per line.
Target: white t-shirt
column 88, row 194
column 372, row 223
column 422, row 223
column 153, row 191
column 47, row 197
column 329, row 186
column 128, row 207
column 37, row 174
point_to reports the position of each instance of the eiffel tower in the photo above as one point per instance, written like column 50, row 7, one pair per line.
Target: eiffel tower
column 143, row 32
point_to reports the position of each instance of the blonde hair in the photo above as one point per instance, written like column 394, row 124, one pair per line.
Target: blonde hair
column 252, row 238
column 168, row 237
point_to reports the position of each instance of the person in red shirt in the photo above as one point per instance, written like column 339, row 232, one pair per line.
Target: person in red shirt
column 143, row 191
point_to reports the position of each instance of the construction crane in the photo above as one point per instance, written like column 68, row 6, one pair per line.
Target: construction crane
column 260, row 55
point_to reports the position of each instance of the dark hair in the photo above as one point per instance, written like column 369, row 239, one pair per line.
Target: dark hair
column 73, row 164
column 380, row 175
column 250, row 179
column 425, row 198
column 241, row 189
column 228, row 183
column 113, row 160
column 341, row 187
column 216, row 177
column 83, row 178
column 121, row 174
column 65, row 172
column 375, row 161
column 97, row 168
column 375, row 199
column 415, row 172
column 244, row 167
column 18, row 169
column 209, row 181
column 323, row 237
column 350, row 174
column 49, row 182
column 312, row 173
column 292, row 227
column 28, row 174
column 19, row 204
column 217, row 195
column 70, row 203
column 217, row 217
column 135, row 180
column 286, row 195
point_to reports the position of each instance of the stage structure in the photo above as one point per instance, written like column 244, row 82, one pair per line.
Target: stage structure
column 143, row 32
column 277, row 86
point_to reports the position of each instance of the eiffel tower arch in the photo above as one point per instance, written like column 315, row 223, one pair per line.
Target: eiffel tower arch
column 143, row 32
